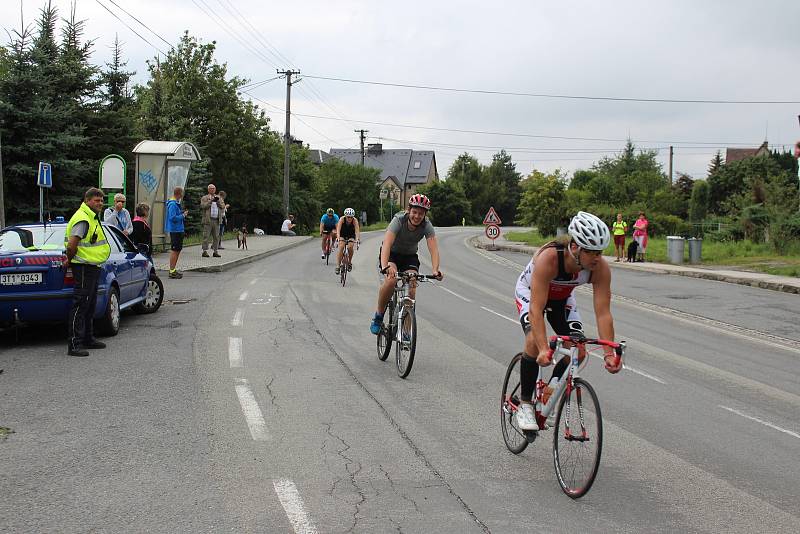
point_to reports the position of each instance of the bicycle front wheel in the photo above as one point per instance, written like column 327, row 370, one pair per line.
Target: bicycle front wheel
column 386, row 335
column 343, row 272
column 578, row 439
column 407, row 341
column 509, row 403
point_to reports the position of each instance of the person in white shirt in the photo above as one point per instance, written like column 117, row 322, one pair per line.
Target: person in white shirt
column 288, row 224
column 118, row 216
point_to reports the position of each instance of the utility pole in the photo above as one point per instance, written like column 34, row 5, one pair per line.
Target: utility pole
column 362, row 132
column 670, row 164
column 287, row 141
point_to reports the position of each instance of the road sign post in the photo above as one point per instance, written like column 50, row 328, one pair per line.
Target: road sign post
column 492, row 217
column 44, row 178
column 492, row 232
column 492, row 222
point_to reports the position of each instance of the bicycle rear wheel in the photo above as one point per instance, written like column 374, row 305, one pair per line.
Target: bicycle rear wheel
column 386, row 335
column 509, row 402
column 578, row 439
column 405, row 349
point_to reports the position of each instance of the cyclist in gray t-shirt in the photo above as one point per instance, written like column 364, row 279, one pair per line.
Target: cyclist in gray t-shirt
column 399, row 251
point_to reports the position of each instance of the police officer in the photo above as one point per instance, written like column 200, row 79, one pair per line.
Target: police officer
column 87, row 249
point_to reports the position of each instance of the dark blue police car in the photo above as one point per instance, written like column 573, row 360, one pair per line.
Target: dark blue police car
column 35, row 287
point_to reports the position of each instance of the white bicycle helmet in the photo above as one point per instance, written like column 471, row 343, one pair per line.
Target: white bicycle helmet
column 589, row 231
column 349, row 212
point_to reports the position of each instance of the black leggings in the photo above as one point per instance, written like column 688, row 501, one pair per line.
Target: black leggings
column 557, row 315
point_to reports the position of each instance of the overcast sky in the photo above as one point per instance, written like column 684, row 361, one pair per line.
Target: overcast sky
column 679, row 50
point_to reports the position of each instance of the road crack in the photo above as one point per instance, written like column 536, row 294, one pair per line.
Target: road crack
column 418, row 452
column 352, row 467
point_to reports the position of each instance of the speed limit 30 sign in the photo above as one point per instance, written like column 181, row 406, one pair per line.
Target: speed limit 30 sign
column 492, row 231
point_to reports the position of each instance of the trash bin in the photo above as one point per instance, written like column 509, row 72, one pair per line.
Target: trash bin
column 675, row 246
column 695, row 249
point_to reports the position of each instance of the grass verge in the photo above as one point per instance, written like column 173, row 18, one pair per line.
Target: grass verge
column 745, row 255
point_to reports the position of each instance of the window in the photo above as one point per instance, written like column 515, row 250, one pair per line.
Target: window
column 417, row 164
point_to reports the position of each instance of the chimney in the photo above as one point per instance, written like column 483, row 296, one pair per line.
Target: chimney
column 374, row 148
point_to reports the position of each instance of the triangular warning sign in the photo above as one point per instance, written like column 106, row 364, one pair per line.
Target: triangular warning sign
column 491, row 217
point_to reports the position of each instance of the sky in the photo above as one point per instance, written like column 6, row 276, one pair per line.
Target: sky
column 710, row 50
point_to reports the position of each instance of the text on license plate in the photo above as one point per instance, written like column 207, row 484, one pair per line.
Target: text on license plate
column 20, row 278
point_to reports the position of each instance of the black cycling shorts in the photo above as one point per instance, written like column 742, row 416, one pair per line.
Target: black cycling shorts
column 404, row 262
column 563, row 318
column 176, row 241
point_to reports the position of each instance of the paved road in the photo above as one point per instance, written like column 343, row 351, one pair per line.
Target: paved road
column 259, row 405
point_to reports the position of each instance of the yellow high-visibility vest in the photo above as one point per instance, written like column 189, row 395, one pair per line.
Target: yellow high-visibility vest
column 90, row 251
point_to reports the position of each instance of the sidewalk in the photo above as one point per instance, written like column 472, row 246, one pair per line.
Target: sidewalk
column 258, row 246
column 786, row 284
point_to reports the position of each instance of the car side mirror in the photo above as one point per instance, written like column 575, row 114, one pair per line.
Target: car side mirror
column 144, row 249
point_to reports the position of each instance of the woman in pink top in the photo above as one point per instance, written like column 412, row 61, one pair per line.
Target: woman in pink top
column 640, row 235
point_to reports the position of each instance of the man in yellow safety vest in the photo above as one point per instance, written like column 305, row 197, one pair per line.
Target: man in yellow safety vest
column 87, row 249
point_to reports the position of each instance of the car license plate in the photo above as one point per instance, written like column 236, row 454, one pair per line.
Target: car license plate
column 14, row 279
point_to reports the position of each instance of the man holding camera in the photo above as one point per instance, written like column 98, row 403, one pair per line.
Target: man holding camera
column 212, row 207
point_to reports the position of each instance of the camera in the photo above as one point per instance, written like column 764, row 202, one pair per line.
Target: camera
column 216, row 198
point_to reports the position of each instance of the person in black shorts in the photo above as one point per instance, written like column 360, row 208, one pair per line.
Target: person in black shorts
column 347, row 228
column 399, row 251
column 173, row 225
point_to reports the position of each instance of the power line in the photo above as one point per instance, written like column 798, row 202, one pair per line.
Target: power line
column 545, row 95
column 142, row 23
column 697, row 144
column 131, row 29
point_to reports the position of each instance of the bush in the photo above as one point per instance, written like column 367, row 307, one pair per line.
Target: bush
column 786, row 233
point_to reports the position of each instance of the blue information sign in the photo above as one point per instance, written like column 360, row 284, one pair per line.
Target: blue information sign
column 45, row 176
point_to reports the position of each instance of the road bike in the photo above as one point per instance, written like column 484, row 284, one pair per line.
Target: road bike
column 400, row 323
column 578, row 434
column 346, row 264
column 327, row 248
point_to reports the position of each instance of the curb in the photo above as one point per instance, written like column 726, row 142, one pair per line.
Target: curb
column 653, row 268
column 248, row 259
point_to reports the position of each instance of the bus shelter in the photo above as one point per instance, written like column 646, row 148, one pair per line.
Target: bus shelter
column 160, row 167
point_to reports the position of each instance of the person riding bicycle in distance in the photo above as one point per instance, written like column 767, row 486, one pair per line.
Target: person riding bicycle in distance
column 545, row 289
column 347, row 228
column 399, row 251
column 327, row 228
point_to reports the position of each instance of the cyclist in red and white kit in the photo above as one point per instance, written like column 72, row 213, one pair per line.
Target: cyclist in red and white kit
column 545, row 289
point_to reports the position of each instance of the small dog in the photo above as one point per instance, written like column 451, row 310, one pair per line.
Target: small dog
column 241, row 237
column 633, row 248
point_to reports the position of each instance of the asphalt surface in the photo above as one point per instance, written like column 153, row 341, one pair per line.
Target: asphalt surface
column 253, row 401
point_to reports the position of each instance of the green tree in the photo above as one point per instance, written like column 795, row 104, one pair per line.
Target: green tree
column 581, row 178
column 448, row 201
column 467, row 173
column 715, row 165
column 349, row 186
column 190, row 96
column 503, row 179
column 542, row 204
column 42, row 121
column 698, row 204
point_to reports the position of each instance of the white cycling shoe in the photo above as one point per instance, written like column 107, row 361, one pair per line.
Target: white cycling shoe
column 526, row 417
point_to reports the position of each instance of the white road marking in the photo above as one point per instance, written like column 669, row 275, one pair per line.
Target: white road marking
column 642, row 373
column 765, row 423
column 243, row 296
column 499, row 314
column 293, row 504
column 235, row 351
column 253, row 281
column 237, row 318
column 252, row 413
column 454, row 294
